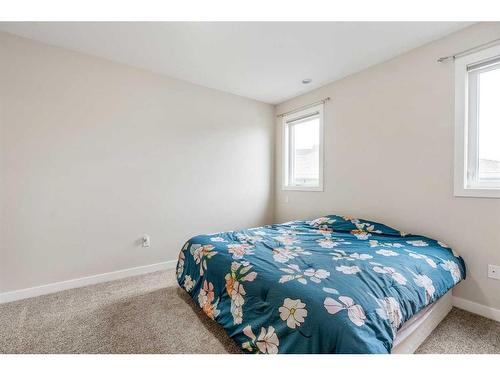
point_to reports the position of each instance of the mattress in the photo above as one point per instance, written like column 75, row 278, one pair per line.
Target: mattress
column 335, row 284
column 413, row 332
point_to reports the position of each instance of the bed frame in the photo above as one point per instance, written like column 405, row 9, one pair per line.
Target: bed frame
column 413, row 333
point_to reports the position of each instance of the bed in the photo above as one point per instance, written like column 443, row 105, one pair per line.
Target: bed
column 335, row 284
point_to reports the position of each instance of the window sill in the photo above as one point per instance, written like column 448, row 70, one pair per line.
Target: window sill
column 477, row 192
column 302, row 188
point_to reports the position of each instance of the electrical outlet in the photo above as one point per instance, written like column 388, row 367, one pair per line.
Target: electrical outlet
column 493, row 271
column 146, row 241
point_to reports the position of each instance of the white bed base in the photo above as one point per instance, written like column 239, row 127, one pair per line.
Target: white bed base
column 413, row 333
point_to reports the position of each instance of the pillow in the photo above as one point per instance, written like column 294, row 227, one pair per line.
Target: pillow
column 335, row 223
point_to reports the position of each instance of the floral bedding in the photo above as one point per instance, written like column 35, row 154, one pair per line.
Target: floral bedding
column 331, row 285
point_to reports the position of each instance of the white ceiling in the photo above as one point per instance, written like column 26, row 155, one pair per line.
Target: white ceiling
column 263, row 61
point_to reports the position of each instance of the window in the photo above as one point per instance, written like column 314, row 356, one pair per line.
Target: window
column 477, row 101
column 303, row 150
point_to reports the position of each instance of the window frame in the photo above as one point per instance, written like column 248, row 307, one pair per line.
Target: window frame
column 466, row 152
column 286, row 147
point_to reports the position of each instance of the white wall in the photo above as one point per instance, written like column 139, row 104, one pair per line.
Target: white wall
column 94, row 154
column 389, row 134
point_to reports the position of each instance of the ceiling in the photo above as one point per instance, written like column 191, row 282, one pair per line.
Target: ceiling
column 258, row 60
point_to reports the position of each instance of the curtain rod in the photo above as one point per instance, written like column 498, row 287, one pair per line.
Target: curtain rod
column 468, row 51
column 322, row 101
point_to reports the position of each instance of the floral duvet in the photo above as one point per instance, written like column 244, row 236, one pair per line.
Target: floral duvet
column 331, row 285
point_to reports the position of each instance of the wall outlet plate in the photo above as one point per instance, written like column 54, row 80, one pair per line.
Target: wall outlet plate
column 493, row 271
column 146, row 241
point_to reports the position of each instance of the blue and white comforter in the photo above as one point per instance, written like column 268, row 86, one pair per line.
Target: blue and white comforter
column 330, row 285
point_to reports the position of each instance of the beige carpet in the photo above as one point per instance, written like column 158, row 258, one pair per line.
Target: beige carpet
column 150, row 314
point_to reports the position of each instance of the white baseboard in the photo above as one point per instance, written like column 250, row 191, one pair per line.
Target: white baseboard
column 84, row 281
column 476, row 308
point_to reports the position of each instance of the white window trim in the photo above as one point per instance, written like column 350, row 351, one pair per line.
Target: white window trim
column 461, row 126
column 285, row 146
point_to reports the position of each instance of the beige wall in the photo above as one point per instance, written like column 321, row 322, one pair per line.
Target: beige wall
column 94, row 154
column 389, row 134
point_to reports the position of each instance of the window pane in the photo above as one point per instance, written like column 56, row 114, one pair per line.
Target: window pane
column 305, row 153
column 489, row 124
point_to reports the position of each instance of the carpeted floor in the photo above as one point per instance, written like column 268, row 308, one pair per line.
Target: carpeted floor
column 150, row 314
